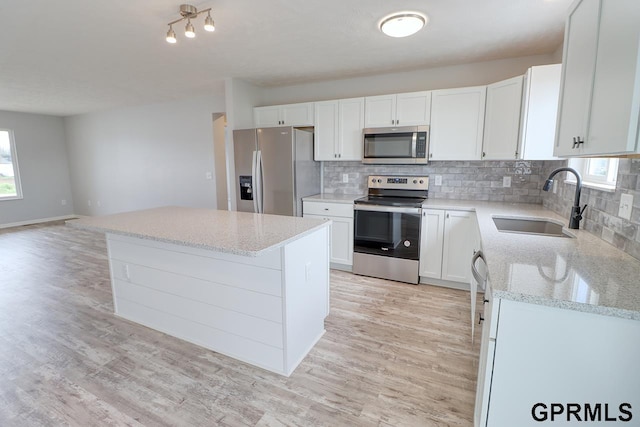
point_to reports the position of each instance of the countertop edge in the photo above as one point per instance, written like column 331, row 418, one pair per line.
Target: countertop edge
column 226, row 250
column 570, row 305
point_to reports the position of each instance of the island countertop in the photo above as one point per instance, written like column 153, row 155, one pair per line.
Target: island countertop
column 583, row 273
column 240, row 233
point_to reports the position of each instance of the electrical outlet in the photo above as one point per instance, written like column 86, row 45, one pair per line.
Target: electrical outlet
column 345, row 178
column 63, row 202
column 98, row 204
column 626, row 204
column 88, row 202
column 438, row 179
column 506, row 181
column 208, row 175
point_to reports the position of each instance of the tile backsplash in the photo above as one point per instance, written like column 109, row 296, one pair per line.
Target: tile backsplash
column 601, row 216
column 473, row 180
column 483, row 180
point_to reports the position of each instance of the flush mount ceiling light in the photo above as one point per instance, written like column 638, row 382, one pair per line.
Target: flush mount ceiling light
column 402, row 24
column 188, row 13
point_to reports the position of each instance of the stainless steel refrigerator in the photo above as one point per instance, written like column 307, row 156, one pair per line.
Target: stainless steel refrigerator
column 274, row 169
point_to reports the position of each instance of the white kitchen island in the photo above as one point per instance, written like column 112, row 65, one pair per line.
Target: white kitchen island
column 253, row 287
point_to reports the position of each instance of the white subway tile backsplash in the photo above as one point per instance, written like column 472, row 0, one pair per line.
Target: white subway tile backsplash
column 601, row 216
column 477, row 180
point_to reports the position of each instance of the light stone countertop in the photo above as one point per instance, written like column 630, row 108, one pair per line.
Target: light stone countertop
column 584, row 273
column 240, row 233
column 333, row 198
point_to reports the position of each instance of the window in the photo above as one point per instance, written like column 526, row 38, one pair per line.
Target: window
column 9, row 177
column 597, row 172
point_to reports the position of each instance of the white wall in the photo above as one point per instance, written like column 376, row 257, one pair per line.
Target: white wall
column 42, row 161
column 472, row 74
column 240, row 98
column 145, row 156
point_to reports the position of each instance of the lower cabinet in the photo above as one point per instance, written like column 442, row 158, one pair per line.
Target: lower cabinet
column 341, row 239
column 549, row 364
column 448, row 241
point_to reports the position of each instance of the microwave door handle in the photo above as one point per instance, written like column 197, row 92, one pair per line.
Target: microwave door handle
column 414, row 141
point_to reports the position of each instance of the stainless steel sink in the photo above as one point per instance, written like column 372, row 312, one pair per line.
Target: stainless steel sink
column 539, row 226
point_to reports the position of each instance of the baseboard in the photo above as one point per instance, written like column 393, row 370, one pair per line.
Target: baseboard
column 343, row 267
column 444, row 283
column 37, row 221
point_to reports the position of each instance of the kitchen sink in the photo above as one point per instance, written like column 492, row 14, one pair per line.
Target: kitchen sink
column 538, row 226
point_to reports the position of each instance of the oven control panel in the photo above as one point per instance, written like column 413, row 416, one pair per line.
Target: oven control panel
column 399, row 182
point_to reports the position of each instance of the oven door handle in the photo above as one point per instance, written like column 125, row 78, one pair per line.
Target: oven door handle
column 392, row 209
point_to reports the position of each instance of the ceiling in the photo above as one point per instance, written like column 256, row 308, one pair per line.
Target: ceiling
column 69, row 57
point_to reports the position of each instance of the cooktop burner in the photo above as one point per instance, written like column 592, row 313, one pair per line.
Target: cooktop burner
column 414, row 202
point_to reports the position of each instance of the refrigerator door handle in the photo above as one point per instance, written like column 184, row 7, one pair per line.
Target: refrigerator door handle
column 254, row 181
column 260, row 181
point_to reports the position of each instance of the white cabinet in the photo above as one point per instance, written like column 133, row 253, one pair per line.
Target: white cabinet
column 545, row 355
column 403, row 109
column 431, row 240
column 447, row 243
column 502, row 119
column 457, row 123
column 458, row 246
column 600, row 91
column 338, row 129
column 284, row 115
column 520, row 117
column 485, row 362
column 341, row 238
column 539, row 112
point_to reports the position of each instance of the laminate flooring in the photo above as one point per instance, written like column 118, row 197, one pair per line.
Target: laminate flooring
column 393, row 354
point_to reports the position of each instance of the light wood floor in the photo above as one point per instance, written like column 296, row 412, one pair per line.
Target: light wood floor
column 393, row 355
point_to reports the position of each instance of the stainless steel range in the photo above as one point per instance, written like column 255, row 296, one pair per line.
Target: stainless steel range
column 387, row 228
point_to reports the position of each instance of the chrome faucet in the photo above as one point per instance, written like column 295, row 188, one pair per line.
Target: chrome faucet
column 576, row 212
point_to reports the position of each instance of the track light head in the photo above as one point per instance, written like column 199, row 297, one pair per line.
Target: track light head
column 189, row 31
column 208, row 23
column 171, row 35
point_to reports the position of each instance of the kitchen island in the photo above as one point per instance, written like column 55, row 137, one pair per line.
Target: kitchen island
column 253, row 287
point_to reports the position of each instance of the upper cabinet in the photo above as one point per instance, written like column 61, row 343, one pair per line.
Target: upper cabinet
column 403, row 109
column 457, row 123
column 520, row 117
column 539, row 112
column 338, row 129
column 502, row 120
column 284, row 115
column 600, row 90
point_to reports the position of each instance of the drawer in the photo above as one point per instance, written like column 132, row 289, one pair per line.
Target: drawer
column 328, row 209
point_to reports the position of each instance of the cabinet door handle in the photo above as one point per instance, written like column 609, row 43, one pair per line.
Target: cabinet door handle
column 480, row 319
column 484, row 154
column 430, row 155
column 447, row 216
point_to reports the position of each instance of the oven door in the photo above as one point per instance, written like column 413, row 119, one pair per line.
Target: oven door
column 387, row 231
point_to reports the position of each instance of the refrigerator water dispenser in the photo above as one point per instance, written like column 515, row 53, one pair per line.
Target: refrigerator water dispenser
column 246, row 190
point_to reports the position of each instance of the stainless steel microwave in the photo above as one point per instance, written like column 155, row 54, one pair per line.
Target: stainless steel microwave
column 401, row 145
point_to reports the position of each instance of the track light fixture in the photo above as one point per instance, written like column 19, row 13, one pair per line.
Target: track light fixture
column 189, row 12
